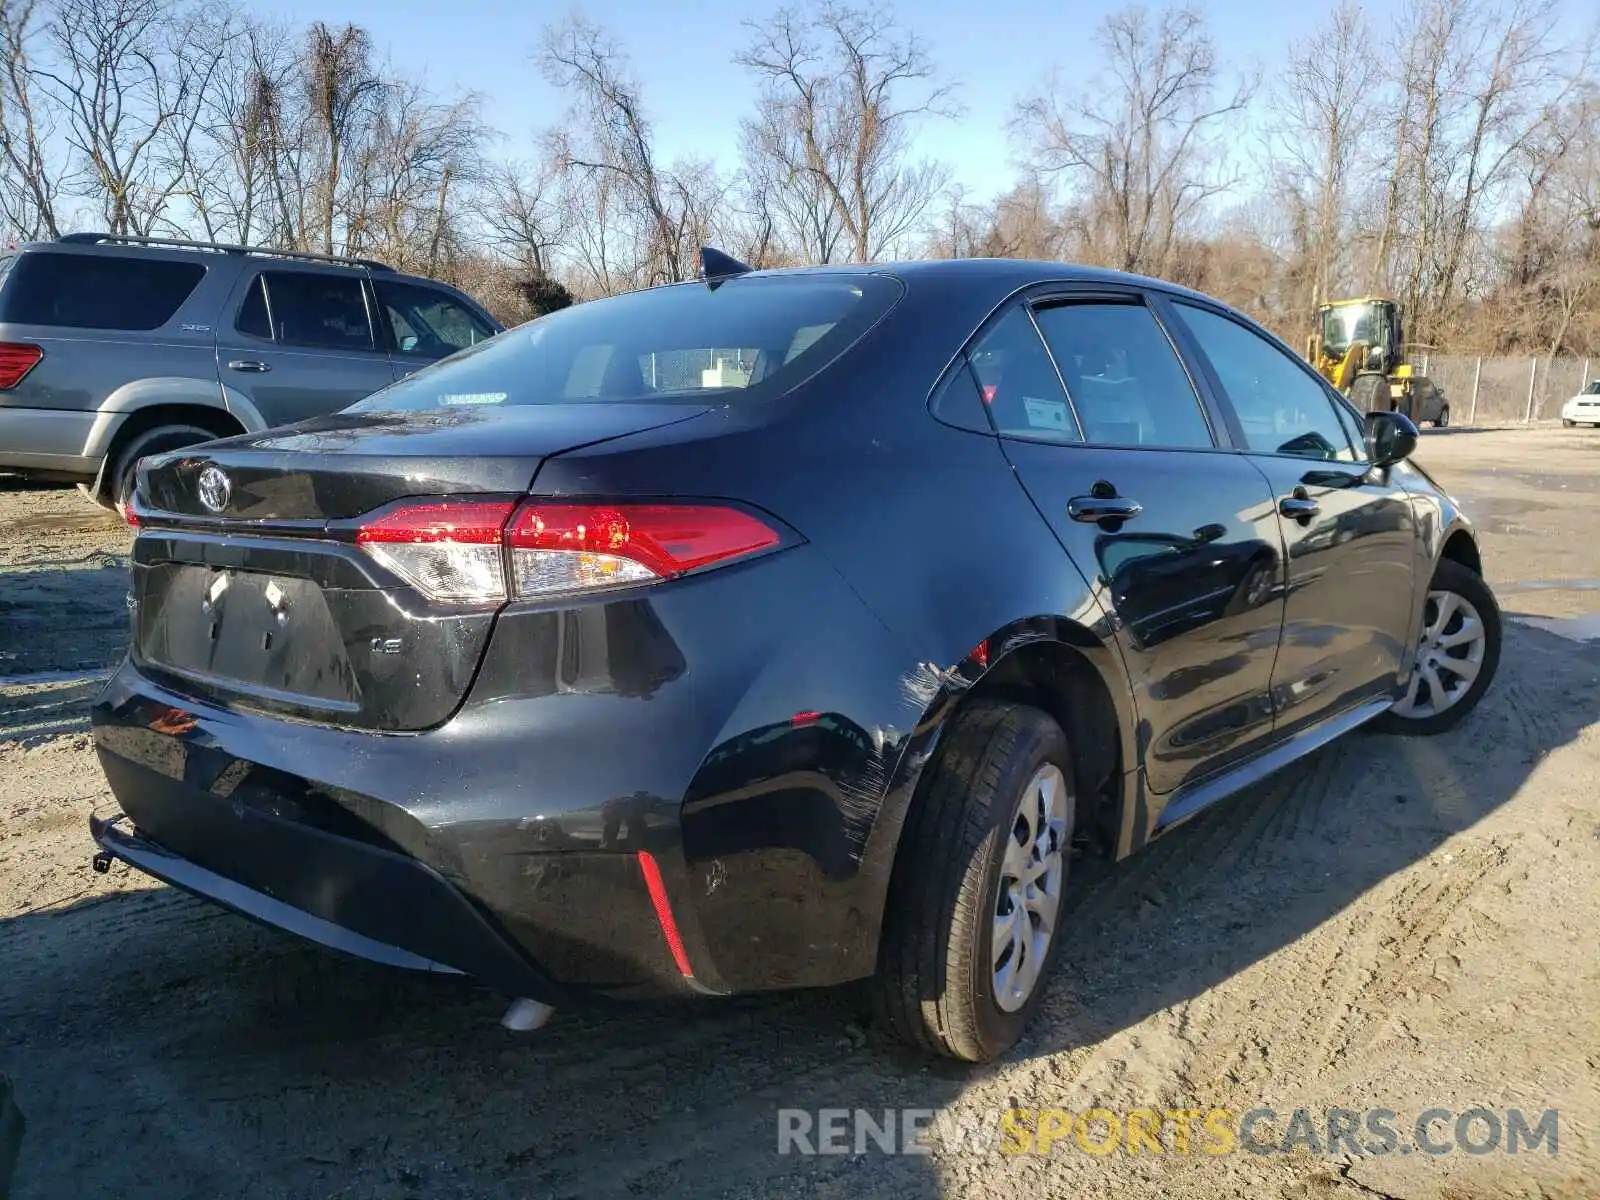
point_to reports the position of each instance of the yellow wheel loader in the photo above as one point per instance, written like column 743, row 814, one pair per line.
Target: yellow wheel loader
column 1360, row 348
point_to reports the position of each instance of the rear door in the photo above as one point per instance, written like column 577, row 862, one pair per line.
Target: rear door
column 300, row 341
column 423, row 324
column 1348, row 530
column 1176, row 534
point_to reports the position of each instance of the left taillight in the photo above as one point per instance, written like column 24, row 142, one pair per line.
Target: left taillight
column 458, row 551
column 449, row 550
column 16, row 360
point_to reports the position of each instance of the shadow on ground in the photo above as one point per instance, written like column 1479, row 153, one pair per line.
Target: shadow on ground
column 63, row 616
column 162, row 1048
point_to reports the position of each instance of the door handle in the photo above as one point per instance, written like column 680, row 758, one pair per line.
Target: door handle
column 1299, row 507
column 1090, row 509
column 248, row 364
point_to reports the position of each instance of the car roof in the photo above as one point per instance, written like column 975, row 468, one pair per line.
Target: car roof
column 1010, row 273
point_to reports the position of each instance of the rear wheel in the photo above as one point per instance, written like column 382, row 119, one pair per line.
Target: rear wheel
column 1567, row 423
column 156, row 440
column 975, row 903
column 1443, row 421
column 1457, row 654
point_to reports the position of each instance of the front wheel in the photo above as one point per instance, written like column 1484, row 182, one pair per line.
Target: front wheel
column 974, row 906
column 1457, row 654
column 1443, row 421
column 1567, row 423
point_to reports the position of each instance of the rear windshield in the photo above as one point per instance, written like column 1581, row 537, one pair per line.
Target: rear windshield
column 96, row 291
column 749, row 338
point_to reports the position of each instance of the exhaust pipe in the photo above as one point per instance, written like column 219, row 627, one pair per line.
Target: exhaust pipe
column 524, row 1016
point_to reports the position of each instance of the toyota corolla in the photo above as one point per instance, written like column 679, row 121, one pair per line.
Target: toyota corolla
column 773, row 630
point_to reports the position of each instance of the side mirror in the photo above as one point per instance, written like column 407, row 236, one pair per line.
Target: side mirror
column 408, row 343
column 1391, row 436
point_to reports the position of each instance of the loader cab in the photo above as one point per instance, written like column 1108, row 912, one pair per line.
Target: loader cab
column 1373, row 322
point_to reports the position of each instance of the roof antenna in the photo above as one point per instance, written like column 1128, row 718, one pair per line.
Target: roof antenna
column 717, row 268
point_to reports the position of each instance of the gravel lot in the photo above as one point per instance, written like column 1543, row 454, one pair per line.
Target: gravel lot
column 1393, row 924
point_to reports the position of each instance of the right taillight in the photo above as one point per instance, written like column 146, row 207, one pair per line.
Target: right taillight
column 457, row 551
column 558, row 548
column 16, row 360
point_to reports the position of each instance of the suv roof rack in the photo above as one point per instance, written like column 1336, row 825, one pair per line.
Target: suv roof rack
column 220, row 247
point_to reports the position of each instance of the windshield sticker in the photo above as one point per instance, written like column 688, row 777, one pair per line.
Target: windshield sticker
column 1046, row 414
column 474, row 398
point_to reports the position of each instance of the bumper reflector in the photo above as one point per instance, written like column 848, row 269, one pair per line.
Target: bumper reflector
column 669, row 927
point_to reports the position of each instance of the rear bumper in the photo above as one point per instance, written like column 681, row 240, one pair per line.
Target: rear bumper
column 362, row 874
column 47, row 440
column 117, row 837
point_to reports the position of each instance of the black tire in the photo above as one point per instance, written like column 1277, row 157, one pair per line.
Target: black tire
column 1567, row 423
column 1451, row 576
column 1369, row 392
column 1443, row 419
column 935, row 985
column 156, row 440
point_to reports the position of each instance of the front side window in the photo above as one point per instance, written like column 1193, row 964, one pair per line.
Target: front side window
column 1123, row 377
column 746, row 339
column 1281, row 407
column 306, row 308
column 1019, row 382
column 96, row 291
column 426, row 323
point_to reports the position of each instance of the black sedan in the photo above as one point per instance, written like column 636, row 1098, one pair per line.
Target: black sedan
column 773, row 630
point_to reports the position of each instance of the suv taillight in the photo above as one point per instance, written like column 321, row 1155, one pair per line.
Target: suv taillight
column 457, row 551
column 16, row 360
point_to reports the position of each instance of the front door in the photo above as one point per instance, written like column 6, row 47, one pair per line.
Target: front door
column 301, row 343
column 1178, row 538
column 1348, row 530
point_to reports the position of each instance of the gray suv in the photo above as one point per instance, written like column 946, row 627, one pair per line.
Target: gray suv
column 113, row 348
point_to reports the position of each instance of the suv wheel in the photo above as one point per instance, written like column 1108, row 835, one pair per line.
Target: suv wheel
column 1457, row 655
column 975, row 903
column 1443, row 420
column 156, row 440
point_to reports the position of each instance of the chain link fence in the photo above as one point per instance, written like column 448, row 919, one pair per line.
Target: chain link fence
column 1500, row 390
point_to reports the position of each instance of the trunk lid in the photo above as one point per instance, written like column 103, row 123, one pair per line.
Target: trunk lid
column 341, row 466
column 249, row 587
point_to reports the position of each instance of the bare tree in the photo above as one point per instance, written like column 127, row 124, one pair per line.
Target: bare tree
column 610, row 148
column 30, row 180
column 128, row 76
column 344, row 91
column 1139, row 146
column 1319, row 139
column 524, row 214
column 844, row 92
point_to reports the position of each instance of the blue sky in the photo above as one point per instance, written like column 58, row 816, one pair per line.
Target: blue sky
column 695, row 96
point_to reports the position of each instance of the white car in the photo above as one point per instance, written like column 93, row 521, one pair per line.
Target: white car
column 1584, row 408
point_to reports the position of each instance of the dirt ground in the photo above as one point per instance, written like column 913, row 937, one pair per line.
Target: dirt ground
column 1395, row 924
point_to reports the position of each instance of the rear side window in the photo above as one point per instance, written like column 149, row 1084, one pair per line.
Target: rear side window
column 306, row 308
column 96, row 291
column 1123, row 377
column 1019, row 382
column 745, row 339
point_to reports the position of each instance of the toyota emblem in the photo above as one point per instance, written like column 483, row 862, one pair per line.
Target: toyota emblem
column 215, row 489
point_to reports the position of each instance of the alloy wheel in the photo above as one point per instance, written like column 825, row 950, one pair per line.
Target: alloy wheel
column 1449, row 656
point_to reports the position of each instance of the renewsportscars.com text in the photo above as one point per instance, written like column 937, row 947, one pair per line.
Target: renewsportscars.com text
column 1331, row 1132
